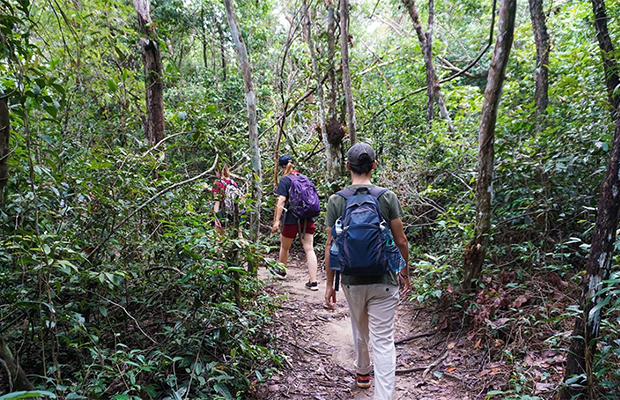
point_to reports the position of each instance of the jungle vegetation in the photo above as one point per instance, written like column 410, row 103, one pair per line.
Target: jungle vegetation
column 496, row 123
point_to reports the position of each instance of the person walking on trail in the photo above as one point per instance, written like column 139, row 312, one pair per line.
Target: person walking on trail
column 372, row 300
column 292, row 223
column 227, row 193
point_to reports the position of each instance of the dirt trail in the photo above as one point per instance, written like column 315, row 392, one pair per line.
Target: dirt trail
column 431, row 363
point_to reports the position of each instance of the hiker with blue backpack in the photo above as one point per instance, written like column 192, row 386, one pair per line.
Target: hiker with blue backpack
column 367, row 254
column 297, row 204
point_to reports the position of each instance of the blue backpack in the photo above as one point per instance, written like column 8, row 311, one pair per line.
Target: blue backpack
column 303, row 198
column 362, row 244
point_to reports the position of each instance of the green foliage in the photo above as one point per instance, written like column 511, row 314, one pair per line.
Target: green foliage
column 27, row 395
column 149, row 308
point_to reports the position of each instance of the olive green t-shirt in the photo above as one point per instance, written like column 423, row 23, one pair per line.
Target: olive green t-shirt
column 390, row 209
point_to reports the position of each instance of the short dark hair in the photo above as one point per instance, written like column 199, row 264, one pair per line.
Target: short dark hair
column 363, row 166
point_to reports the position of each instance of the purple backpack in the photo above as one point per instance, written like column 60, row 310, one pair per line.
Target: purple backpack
column 302, row 197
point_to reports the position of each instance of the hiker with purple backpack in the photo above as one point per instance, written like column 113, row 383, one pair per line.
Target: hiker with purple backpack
column 296, row 206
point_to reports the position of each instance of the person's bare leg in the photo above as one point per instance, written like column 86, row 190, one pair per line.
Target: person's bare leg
column 285, row 245
column 307, row 242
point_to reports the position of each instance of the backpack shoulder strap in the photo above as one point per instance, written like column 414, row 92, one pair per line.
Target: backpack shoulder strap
column 377, row 191
column 346, row 193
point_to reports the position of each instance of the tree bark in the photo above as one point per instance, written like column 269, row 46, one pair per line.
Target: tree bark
column 5, row 132
column 541, row 72
column 432, row 80
column 250, row 100
column 332, row 113
column 333, row 152
column 612, row 79
column 204, row 37
column 18, row 380
column 585, row 334
column 476, row 249
column 330, row 149
column 346, row 72
column 220, row 33
column 155, row 128
column 580, row 357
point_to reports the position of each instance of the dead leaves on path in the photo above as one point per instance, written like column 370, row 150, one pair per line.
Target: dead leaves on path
column 437, row 357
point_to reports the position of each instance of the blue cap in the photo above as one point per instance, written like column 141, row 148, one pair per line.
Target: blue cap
column 284, row 160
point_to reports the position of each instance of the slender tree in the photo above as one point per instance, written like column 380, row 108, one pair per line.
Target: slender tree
column 203, row 31
column 580, row 358
column 541, row 72
column 155, row 128
column 332, row 147
column 222, row 40
column 426, row 44
column 333, row 129
column 612, row 79
column 250, row 100
column 476, row 249
column 4, row 145
column 346, row 72
column 332, row 112
column 320, row 101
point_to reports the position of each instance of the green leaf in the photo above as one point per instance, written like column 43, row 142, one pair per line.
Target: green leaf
column 223, row 390
column 111, row 85
column 51, row 110
column 66, row 266
column 597, row 308
column 27, row 395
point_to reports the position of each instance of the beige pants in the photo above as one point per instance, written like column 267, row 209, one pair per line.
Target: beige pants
column 372, row 309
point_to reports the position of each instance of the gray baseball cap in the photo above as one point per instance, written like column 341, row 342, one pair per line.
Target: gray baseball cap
column 355, row 155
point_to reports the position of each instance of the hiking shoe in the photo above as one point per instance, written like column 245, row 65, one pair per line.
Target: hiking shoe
column 362, row 381
column 312, row 286
column 280, row 274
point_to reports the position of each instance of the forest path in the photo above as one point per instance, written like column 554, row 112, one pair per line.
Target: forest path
column 431, row 364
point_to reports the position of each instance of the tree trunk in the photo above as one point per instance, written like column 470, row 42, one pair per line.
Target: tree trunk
column 426, row 45
column 204, row 37
column 250, row 100
column 334, row 158
column 541, row 72
column 323, row 121
column 18, row 380
column 220, row 33
column 332, row 113
column 155, row 129
column 431, row 75
column 346, row 72
column 585, row 333
column 607, row 51
column 476, row 249
column 5, row 131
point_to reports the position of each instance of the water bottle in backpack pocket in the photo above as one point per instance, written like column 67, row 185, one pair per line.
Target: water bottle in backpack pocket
column 395, row 260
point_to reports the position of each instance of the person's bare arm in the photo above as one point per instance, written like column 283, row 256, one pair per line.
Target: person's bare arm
column 330, row 293
column 278, row 213
column 396, row 226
